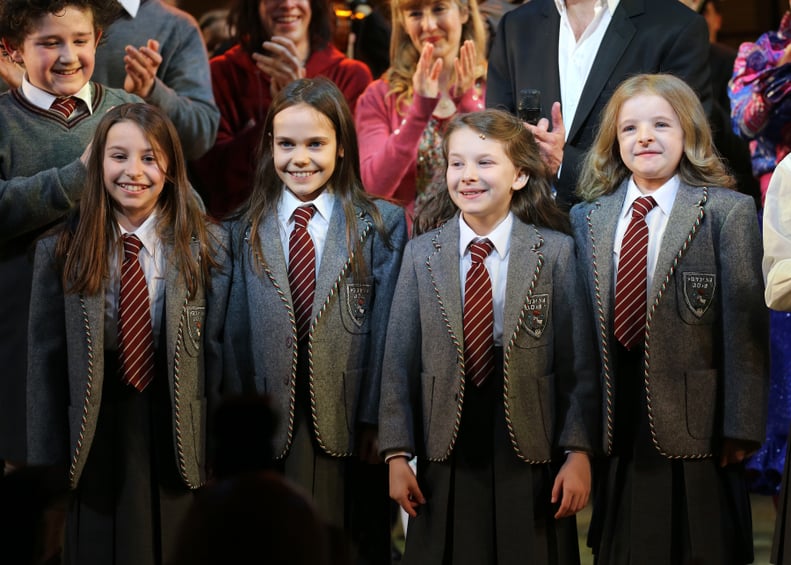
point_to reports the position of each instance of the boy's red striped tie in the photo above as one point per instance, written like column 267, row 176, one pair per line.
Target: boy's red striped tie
column 630, row 287
column 64, row 105
column 136, row 335
column 478, row 316
column 302, row 269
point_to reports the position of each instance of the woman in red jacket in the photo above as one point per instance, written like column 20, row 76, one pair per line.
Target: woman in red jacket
column 278, row 41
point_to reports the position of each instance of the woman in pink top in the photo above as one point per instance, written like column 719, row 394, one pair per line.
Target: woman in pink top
column 437, row 71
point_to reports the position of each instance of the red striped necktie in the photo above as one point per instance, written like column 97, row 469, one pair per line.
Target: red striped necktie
column 136, row 335
column 302, row 269
column 630, row 287
column 478, row 316
column 64, row 105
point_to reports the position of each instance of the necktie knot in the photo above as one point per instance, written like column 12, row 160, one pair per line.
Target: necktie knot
column 479, row 250
column 64, row 105
column 642, row 206
column 132, row 246
column 302, row 215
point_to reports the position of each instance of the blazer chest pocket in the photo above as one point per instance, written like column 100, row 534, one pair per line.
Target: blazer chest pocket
column 193, row 329
column 697, row 296
column 356, row 304
column 534, row 321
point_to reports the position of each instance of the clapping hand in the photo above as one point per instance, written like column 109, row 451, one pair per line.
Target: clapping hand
column 141, row 67
column 465, row 65
column 282, row 64
column 425, row 81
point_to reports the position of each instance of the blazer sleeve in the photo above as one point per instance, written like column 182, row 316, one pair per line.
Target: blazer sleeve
column 47, row 377
column 30, row 203
column 216, row 307
column 387, row 154
column 402, row 361
column 745, row 325
column 777, row 238
column 385, row 263
column 576, row 366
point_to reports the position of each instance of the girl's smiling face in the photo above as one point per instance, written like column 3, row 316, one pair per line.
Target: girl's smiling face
column 133, row 176
column 650, row 139
column 305, row 150
column 481, row 179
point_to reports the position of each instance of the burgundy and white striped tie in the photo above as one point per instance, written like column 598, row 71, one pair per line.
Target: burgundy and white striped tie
column 64, row 105
column 630, row 287
column 478, row 316
column 136, row 335
column 302, row 269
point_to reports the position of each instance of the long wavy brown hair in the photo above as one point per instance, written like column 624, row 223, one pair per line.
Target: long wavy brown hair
column 322, row 95
column 534, row 203
column 404, row 56
column 90, row 236
column 604, row 170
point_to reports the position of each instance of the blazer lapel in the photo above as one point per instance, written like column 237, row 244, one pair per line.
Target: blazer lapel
column 614, row 43
column 443, row 265
column 522, row 264
column 334, row 257
column 604, row 220
column 94, row 309
column 273, row 256
column 682, row 220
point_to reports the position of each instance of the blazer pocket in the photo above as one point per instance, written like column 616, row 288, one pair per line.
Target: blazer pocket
column 697, row 296
column 198, row 413
column 701, row 398
column 352, row 380
column 356, row 305
column 546, row 396
column 427, row 399
column 193, row 330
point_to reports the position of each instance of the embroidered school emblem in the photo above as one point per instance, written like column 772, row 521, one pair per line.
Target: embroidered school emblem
column 358, row 299
column 699, row 291
column 536, row 313
column 195, row 316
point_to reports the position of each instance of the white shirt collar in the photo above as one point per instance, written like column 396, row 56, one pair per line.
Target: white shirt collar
column 500, row 236
column 664, row 196
column 611, row 4
column 131, row 6
column 43, row 99
column 147, row 233
column 324, row 204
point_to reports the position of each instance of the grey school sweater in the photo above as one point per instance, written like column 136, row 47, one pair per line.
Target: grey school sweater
column 183, row 86
column 41, row 178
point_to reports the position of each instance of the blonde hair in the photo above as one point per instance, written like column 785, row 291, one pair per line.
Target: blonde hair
column 604, row 170
column 404, row 55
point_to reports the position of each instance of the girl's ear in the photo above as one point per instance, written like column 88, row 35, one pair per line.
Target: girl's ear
column 14, row 53
column 520, row 181
column 99, row 34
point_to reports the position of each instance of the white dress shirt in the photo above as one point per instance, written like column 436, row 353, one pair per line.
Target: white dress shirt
column 575, row 58
column 496, row 263
column 43, row 99
column 656, row 219
column 152, row 260
column 317, row 227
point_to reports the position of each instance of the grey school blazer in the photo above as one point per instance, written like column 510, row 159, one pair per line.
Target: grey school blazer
column 706, row 361
column 66, row 370
column 550, row 386
column 347, row 334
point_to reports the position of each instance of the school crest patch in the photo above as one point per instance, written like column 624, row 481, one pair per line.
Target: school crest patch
column 358, row 302
column 536, row 314
column 699, row 291
column 195, row 316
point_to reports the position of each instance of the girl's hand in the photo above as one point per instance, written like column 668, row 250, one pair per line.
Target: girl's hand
column 403, row 486
column 425, row 81
column 283, row 64
column 465, row 65
column 735, row 451
column 572, row 485
column 141, row 67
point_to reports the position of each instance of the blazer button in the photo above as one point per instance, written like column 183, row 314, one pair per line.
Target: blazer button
column 289, row 342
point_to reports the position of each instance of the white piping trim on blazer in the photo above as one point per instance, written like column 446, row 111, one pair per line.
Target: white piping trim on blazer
column 88, row 393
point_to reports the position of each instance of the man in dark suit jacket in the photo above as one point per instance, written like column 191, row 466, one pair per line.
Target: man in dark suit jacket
column 643, row 36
